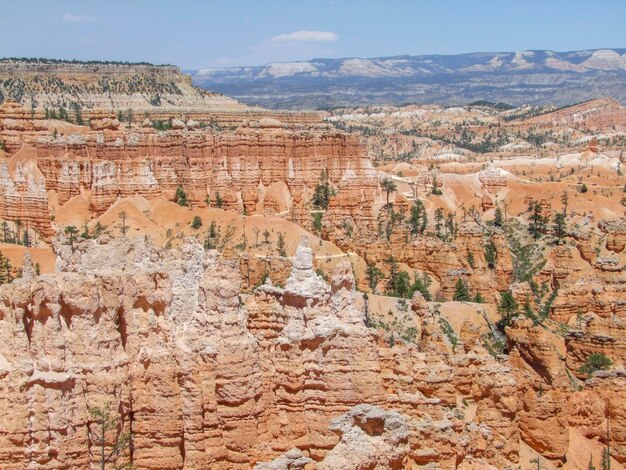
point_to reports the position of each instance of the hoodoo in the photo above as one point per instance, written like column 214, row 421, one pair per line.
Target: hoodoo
column 188, row 281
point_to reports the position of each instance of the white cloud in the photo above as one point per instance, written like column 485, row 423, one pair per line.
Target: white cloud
column 69, row 17
column 306, row 36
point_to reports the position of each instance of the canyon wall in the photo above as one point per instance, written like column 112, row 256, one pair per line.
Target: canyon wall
column 203, row 376
column 260, row 168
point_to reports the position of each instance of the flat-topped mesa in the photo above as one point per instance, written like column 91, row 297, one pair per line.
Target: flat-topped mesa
column 86, row 69
column 117, row 86
column 45, row 87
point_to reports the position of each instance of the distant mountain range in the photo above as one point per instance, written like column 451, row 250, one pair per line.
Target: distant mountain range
column 526, row 77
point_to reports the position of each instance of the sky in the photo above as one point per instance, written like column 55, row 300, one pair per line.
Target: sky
column 196, row 34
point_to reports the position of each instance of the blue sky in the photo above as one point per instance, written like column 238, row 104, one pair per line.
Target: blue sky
column 196, row 34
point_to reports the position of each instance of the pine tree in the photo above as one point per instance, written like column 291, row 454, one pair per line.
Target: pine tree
column 18, row 225
column 537, row 220
column 100, row 424
column 560, row 226
column 373, row 275
column 321, row 196
column 507, row 308
column 498, row 220
column 85, row 233
column 124, row 228
column 418, row 218
column 196, row 223
column 461, row 292
column 470, row 259
column 422, row 285
column 389, row 185
column 26, row 238
column 6, row 266
column 71, row 231
column 98, row 229
column 4, row 278
column 400, row 284
column 78, row 115
column 6, row 233
column 280, row 245
column 606, row 459
column 317, row 222
column 491, row 254
column 438, row 222
column 450, row 226
column 564, row 202
column 393, row 272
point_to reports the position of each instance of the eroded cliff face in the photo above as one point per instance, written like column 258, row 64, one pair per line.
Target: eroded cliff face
column 204, row 376
column 263, row 168
column 240, row 166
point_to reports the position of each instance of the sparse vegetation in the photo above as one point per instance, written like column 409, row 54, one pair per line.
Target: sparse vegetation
column 6, row 270
column 498, row 219
column 180, row 196
column 527, row 259
column 507, row 308
column 317, row 222
column 280, row 245
column 374, row 275
column 101, row 426
column 71, row 231
column 447, row 329
column 595, row 362
column 491, row 254
column 493, row 345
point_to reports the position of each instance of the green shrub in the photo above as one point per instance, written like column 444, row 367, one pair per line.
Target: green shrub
column 180, row 196
column 595, row 362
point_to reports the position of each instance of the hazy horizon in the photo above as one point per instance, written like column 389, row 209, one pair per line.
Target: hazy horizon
column 196, row 34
